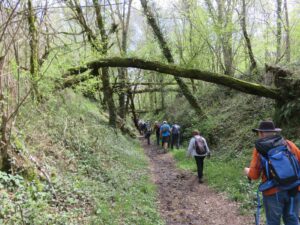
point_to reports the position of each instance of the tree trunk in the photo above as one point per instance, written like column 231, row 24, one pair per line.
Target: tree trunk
column 286, row 111
column 133, row 111
column 279, row 30
column 124, row 20
column 122, row 96
column 286, row 95
column 226, row 37
column 287, row 34
column 33, row 42
column 4, row 157
column 108, row 93
column 107, row 90
column 234, row 83
column 253, row 63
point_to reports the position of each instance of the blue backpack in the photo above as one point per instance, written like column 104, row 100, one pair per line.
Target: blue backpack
column 281, row 168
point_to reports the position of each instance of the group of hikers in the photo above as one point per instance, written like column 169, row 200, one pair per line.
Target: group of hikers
column 274, row 159
column 168, row 134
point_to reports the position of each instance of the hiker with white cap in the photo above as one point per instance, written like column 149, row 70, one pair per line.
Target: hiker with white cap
column 165, row 132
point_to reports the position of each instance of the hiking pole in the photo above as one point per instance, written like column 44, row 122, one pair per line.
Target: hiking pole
column 257, row 214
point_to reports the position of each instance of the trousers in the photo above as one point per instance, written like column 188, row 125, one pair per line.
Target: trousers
column 282, row 205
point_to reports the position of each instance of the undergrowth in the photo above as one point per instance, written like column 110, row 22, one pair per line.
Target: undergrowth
column 83, row 171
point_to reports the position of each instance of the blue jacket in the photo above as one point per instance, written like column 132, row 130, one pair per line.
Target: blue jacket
column 165, row 130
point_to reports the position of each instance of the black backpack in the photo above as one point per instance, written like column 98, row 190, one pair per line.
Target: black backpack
column 200, row 146
column 175, row 129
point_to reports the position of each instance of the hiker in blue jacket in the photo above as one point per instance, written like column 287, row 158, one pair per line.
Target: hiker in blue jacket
column 165, row 131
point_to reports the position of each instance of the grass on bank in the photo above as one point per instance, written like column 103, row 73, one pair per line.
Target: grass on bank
column 98, row 176
column 223, row 175
column 227, row 129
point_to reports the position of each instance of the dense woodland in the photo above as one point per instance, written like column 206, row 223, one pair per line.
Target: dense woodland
column 76, row 75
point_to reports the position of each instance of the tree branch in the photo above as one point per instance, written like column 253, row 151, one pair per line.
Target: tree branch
column 234, row 83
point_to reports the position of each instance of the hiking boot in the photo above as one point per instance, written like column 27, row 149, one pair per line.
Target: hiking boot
column 201, row 181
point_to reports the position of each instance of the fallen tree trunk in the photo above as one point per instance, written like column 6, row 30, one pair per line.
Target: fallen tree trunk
column 234, row 83
column 151, row 90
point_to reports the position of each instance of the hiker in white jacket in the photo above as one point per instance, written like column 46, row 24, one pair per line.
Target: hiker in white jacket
column 199, row 158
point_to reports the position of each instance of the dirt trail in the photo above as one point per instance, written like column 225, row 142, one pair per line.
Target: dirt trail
column 183, row 201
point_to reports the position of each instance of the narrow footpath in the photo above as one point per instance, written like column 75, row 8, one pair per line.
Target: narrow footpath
column 183, row 201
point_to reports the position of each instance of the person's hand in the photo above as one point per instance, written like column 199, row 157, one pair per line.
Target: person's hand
column 208, row 155
column 246, row 171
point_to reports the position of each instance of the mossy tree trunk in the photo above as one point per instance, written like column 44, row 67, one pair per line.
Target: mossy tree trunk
column 107, row 90
column 287, row 109
column 133, row 111
column 124, row 21
column 34, row 58
column 253, row 64
column 286, row 94
column 100, row 46
column 4, row 157
column 279, row 30
column 211, row 77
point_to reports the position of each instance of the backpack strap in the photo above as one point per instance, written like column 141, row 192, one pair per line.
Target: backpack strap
column 269, row 183
column 264, row 164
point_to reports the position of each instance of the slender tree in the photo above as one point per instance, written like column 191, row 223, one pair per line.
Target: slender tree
column 279, row 30
column 168, row 55
column 253, row 64
column 287, row 33
column 124, row 18
column 33, row 42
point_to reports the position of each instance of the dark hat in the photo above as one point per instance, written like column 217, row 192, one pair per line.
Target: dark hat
column 266, row 126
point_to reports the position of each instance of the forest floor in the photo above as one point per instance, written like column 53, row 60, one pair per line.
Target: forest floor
column 183, row 201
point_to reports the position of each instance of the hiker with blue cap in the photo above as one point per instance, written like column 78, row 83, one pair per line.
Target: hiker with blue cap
column 276, row 160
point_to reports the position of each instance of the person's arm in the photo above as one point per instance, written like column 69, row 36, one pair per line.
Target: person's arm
column 254, row 171
column 206, row 146
column 294, row 149
column 191, row 147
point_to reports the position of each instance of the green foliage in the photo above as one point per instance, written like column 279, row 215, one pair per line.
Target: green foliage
column 98, row 176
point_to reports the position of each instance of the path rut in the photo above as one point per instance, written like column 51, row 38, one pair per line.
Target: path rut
column 183, row 201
